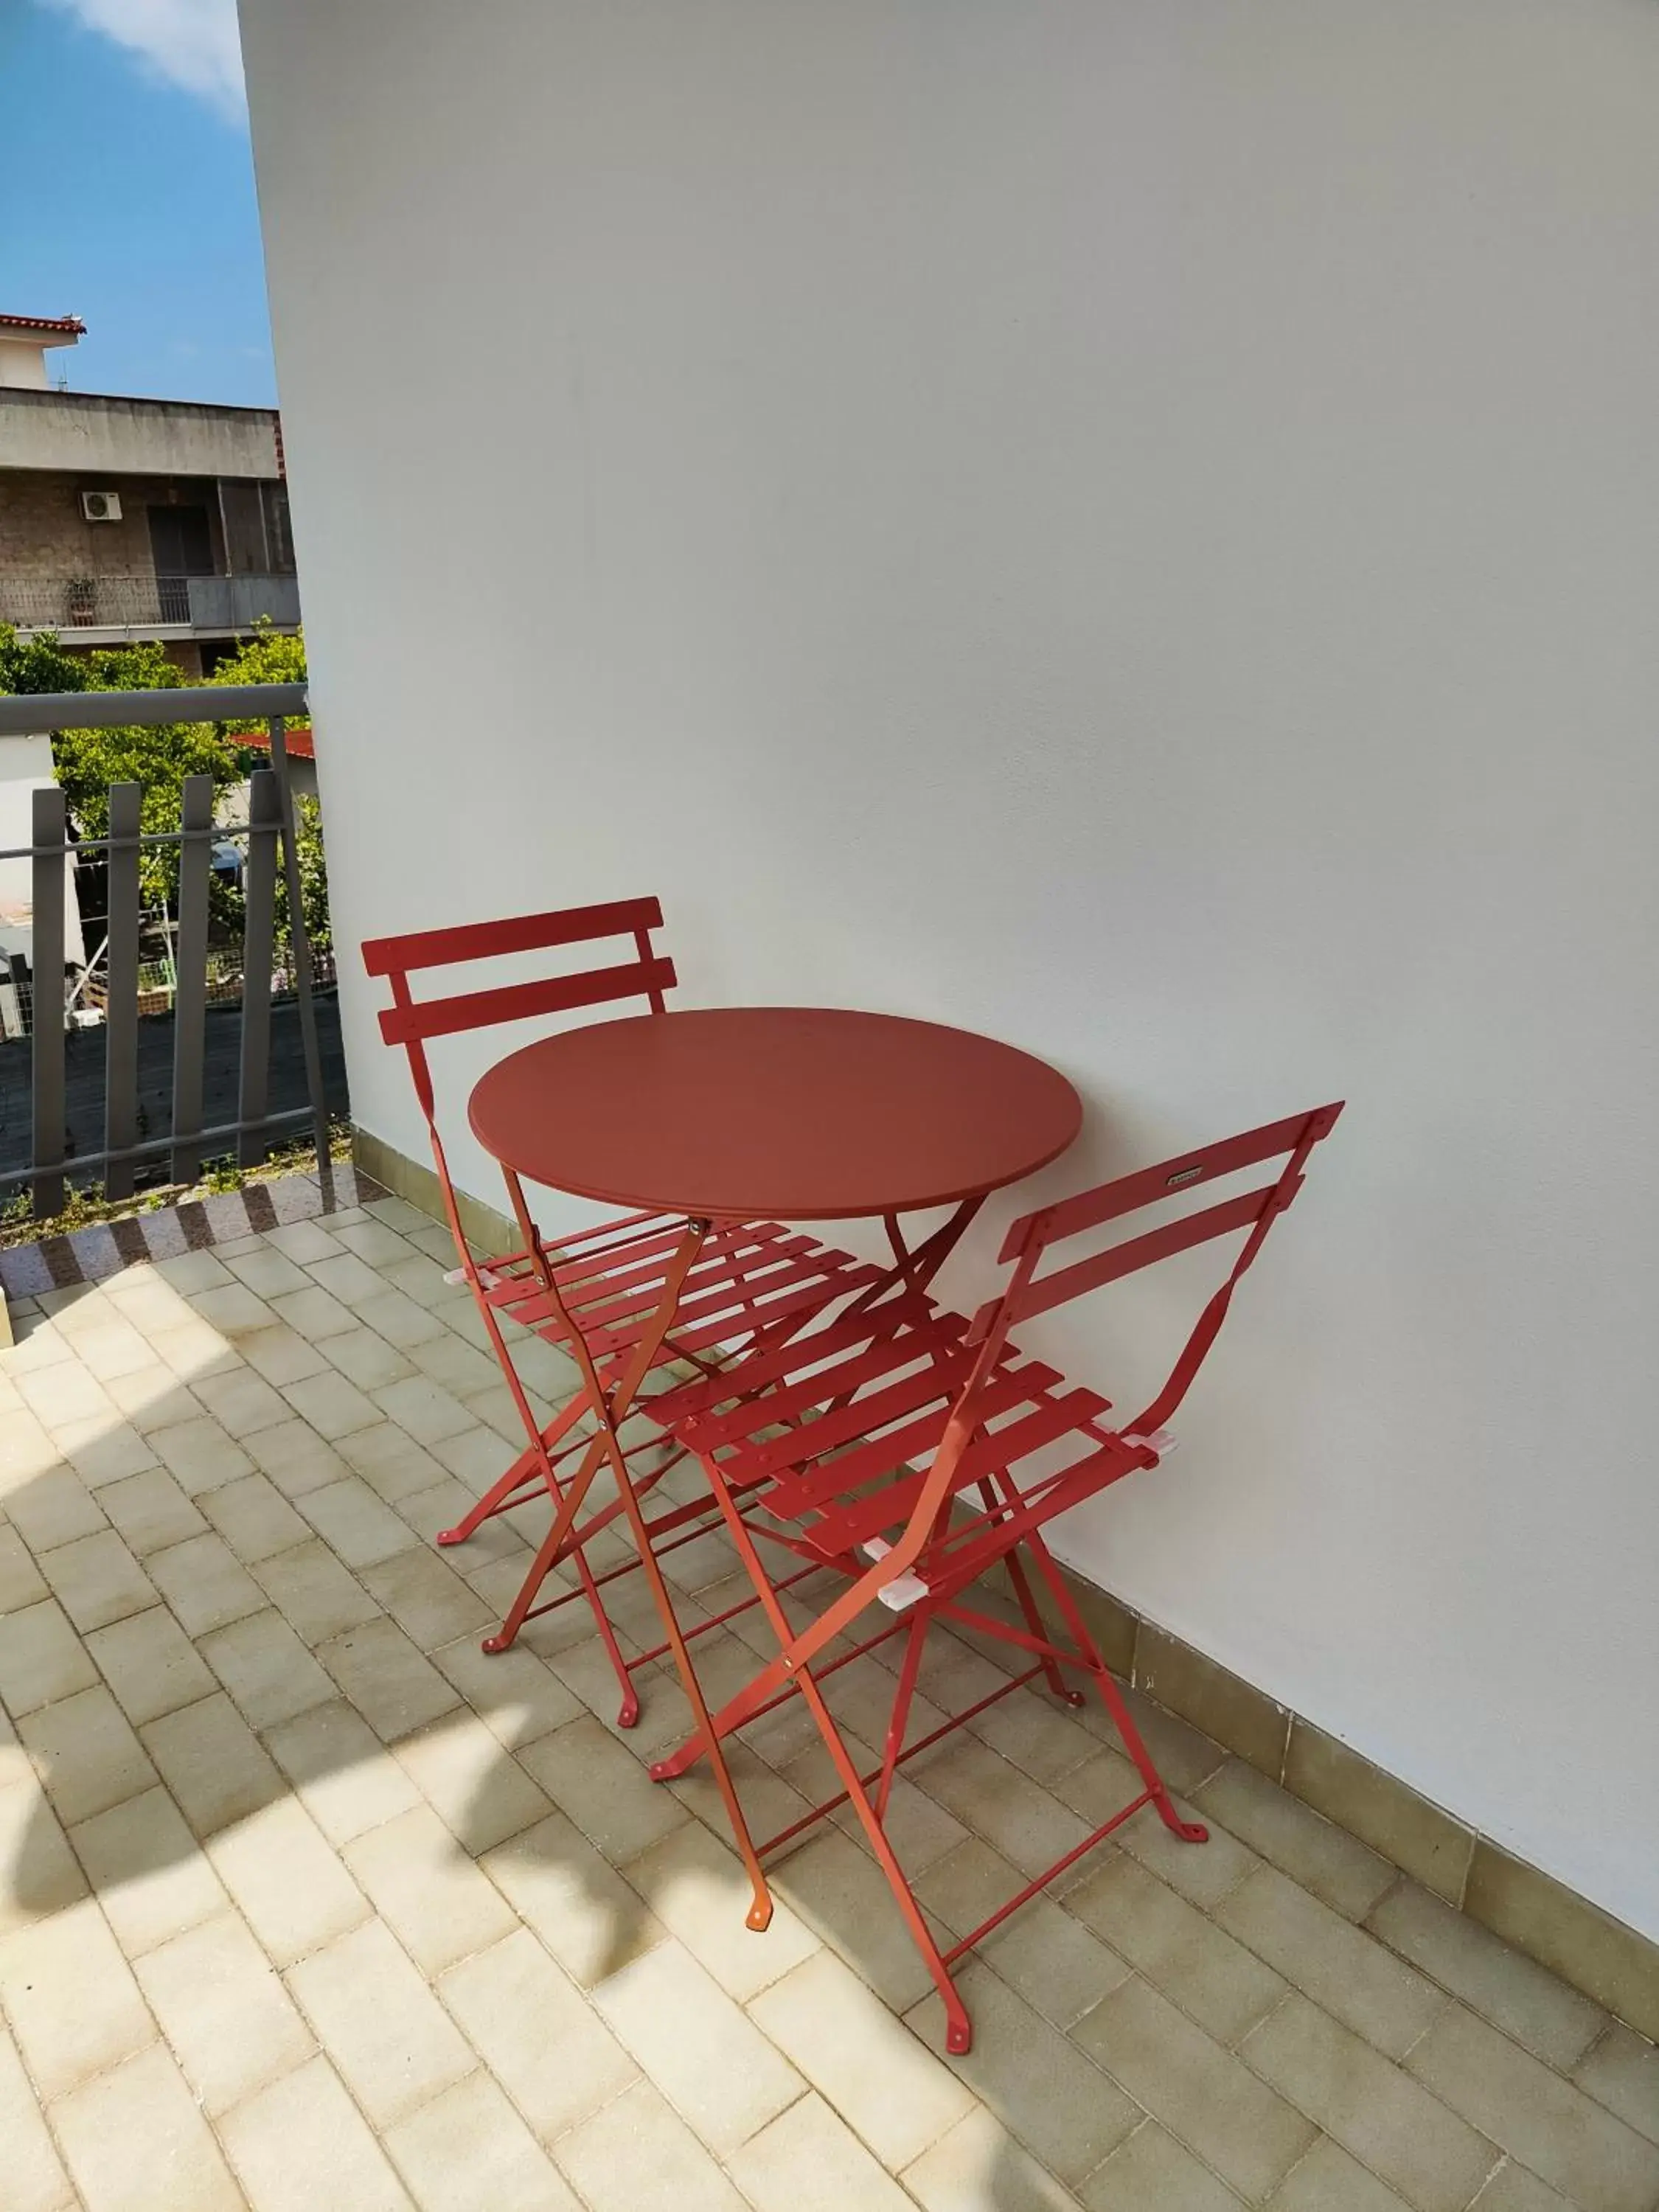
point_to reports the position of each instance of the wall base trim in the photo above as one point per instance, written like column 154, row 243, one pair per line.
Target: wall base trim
column 1616, row 1965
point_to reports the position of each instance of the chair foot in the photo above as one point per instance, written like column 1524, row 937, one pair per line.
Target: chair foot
column 494, row 1644
column 760, row 1914
column 630, row 1715
column 451, row 1536
column 671, row 1768
column 1190, row 1831
column 1072, row 1697
column 959, row 2034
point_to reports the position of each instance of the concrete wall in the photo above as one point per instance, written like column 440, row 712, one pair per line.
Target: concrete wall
column 97, row 436
column 1134, row 528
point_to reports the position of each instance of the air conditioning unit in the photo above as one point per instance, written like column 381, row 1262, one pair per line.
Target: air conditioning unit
column 102, row 505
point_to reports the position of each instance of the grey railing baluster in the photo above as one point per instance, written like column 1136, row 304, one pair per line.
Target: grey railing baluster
column 121, row 1013
column 265, row 817
column 48, row 893
column 301, row 945
column 189, row 961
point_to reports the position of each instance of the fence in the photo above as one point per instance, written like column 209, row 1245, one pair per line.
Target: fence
column 271, row 854
column 149, row 602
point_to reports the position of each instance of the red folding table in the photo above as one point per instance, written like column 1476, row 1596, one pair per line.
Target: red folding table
column 765, row 1113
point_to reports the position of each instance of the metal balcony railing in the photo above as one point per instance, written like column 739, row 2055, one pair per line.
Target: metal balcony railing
column 141, row 603
column 53, row 1002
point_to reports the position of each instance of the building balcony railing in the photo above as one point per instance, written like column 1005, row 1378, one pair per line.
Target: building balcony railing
column 139, row 605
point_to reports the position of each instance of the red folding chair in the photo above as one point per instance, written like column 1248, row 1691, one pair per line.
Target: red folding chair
column 598, row 1296
column 916, row 1451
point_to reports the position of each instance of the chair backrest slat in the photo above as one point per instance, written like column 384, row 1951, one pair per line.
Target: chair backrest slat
column 514, row 1002
column 1089, row 1209
column 524, row 932
column 1137, row 1252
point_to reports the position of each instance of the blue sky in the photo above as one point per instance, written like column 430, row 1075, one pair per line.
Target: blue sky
column 126, row 195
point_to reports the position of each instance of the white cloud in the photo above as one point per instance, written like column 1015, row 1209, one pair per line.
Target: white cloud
column 193, row 44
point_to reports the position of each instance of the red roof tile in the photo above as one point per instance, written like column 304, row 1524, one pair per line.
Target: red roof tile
column 68, row 325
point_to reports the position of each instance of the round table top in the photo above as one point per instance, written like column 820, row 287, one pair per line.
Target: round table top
column 760, row 1113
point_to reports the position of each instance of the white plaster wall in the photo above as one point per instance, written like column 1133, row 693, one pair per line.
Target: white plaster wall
column 1134, row 528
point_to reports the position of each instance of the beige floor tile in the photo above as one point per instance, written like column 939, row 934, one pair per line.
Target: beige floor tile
column 201, row 1453
column 289, row 1883
column 459, row 1367
column 1558, row 2133
column 136, row 2141
column 373, row 1240
column 1528, row 2001
column 1057, row 1966
column 1037, row 2081
column 269, row 1274
column 265, row 1668
column 314, row 1593
column 428, row 1599
column 150, row 1664
column 223, row 2009
column 390, row 1462
column 477, row 1789
column 698, row 1888
column 584, row 1911
column 1329, row 1960
column 296, row 1458
column 35, row 2179
column 38, row 1873
column 1225, row 1988
column 1329, row 2180
column 151, row 1511
column 871, row 2067
column 64, row 1392
column 1152, row 2172
column 544, row 2045
column 345, row 1778
column 357, row 1526
column 978, row 2167
column 333, row 1407
column 1512, row 2188
column 347, row 1278
column 468, row 2151
column 1198, row 2090
column 422, row 1408
column 364, row 1358
column 41, row 1658
column 46, row 1971
column 254, row 1518
column 1324, row 1859
column 808, row 2159
column 211, row 1761
column 86, row 1754
column 840, row 1892
column 300, row 2145
column 305, row 1242
column 188, row 1274
column 20, row 1581
column 114, row 1347
column 1389, row 2123
column 204, row 1583
column 102, row 1452
column 192, row 1350
column 312, row 1313
column 382, row 1673
column 603, row 1787
column 1030, row 1827
column 698, row 2045
column 402, row 1321
column 430, row 1512
column 54, row 1507
column 1622, row 2072
column 427, row 1890
column 515, row 1694
column 391, row 2040
column 230, row 1309
column 156, row 1399
column 1203, row 1872
column 241, row 1401
column 97, row 1580
column 638, row 2155
column 149, row 1874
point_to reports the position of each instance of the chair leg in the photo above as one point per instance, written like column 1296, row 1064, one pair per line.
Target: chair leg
column 1190, row 1831
column 1028, row 1604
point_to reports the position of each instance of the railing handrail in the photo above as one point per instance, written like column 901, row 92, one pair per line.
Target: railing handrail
column 37, row 714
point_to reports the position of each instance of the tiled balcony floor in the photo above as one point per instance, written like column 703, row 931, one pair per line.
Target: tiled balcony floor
column 306, row 1904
